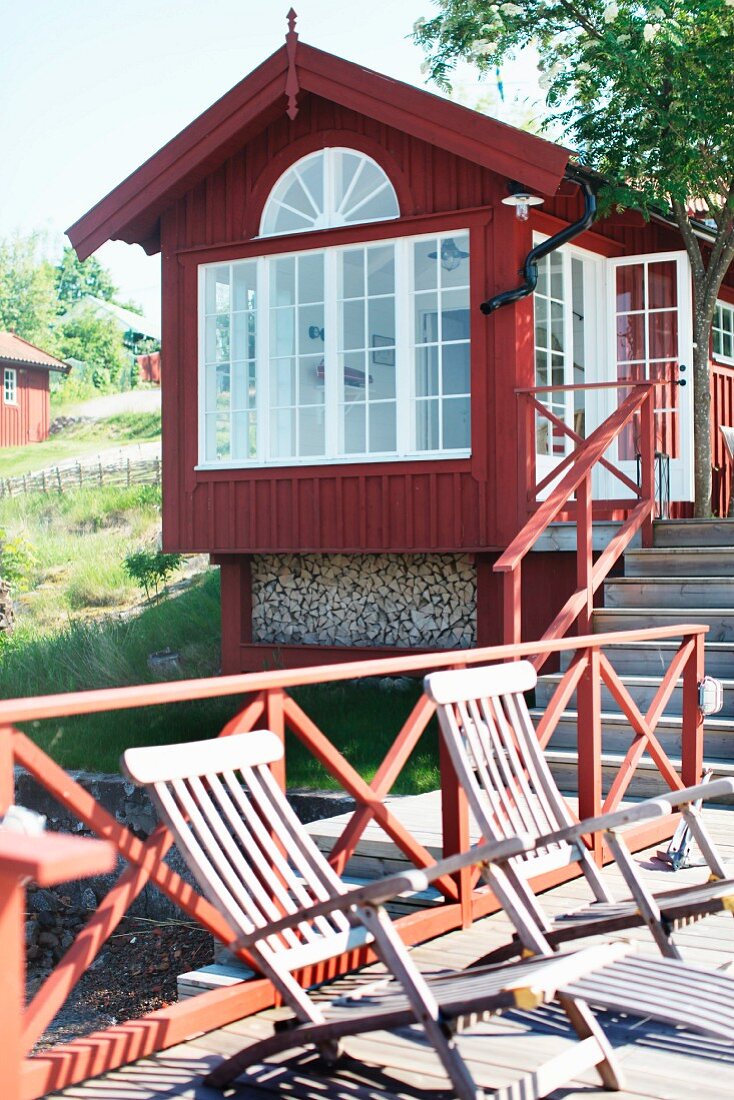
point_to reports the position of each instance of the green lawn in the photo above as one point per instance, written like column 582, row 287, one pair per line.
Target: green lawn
column 81, row 439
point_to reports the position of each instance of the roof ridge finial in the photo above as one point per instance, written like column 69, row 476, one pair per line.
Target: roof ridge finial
column 292, row 87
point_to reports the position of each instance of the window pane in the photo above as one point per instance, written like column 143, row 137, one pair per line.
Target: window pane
column 354, row 429
column 426, row 425
column 353, row 335
column 244, row 290
column 382, row 427
column 243, row 335
column 454, row 265
column 282, row 331
column 310, row 384
column 283, row 433
column 455, row 368
column 283, row 381
column 381, row 322
column 426, row 372
column 381, row 270
column 311, row 432
column 311, row 328
column 454, row 316
column 662, row 284
column 425, row 259
column 381, row 382
column 456, row 428
column 217, row 290
column 352, row 273
column 217, row 338
column 630, row 287
column 630, row 337
column 426, row 318
column 311, row 278
column 664, row 335
column 354, row 376
column 283, row 282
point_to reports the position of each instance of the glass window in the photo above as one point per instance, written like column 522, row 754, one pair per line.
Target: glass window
column 329, row 188
column 342, row 353
column 10, row 386
column 723, row 332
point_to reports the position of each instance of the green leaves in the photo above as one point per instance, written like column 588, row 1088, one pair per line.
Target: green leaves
column 150, row 569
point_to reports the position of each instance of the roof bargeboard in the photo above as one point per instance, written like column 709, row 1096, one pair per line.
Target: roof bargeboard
column 131, row 212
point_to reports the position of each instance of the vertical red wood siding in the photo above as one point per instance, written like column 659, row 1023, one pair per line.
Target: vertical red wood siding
column 399, row 506
column 28, row 420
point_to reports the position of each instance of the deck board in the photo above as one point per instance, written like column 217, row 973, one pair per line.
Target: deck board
column 659, row 1062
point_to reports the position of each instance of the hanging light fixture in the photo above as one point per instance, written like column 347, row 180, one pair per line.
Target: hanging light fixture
column 521, row 199
column 450, row 255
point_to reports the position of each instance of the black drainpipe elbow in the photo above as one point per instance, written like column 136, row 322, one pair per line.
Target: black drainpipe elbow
column 530, row 267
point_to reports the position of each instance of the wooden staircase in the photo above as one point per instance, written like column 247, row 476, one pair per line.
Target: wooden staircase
column 687, row 577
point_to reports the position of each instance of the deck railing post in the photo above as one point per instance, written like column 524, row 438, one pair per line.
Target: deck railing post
column 12, row 943
column 455, row 829
column 512, row 606
column 647, row 461
column 584, row 552
column 275, row 721
column 589, row 744
column 693, row 730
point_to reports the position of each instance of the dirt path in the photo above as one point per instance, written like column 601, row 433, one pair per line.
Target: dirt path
column 111, row 404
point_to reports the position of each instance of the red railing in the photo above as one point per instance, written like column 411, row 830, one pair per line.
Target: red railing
column 571, row 498
column 722, row 412
column 270, row 704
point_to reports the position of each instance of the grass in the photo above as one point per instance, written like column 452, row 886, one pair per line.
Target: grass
column 83, row 625
column 80, row 439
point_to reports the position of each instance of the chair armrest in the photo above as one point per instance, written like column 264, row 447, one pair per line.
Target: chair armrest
column 648, row 810
column 384, row 889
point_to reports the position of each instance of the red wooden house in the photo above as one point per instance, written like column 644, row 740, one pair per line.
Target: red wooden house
column 340, row 418
column 25, row 402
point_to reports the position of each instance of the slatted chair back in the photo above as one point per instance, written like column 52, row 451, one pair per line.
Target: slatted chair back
column 245, row 846
column 498, row 760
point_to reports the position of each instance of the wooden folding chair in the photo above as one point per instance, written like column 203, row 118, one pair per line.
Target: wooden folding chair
column 490, row 736
column 288, row 909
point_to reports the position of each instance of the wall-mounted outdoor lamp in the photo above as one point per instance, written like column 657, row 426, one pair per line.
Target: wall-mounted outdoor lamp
column 521, row 199
column 451, row 255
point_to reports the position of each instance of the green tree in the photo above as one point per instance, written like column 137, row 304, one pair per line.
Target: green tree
column 96, row 341
column 75, row 279
column 644, row 91
column 27, row 298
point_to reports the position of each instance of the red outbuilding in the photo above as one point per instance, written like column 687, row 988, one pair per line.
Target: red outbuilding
column 341, row 419
column 25, row 405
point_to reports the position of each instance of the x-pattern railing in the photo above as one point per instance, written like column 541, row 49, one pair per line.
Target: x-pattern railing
column 269, row 704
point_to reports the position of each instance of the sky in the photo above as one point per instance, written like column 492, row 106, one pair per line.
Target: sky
column 89, row 89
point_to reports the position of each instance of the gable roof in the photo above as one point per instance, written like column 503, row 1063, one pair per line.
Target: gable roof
column 125, row 319
column 14, row 350
column 131, row 212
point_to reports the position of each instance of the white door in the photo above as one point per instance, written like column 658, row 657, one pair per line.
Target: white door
column 567, row 344
column 650, row 336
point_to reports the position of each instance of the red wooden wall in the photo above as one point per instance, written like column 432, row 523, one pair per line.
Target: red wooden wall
column 399, row 506
column 28, row 420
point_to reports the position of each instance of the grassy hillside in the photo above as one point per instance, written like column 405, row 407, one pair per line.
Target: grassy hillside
column 83, row 625
column 87, row 437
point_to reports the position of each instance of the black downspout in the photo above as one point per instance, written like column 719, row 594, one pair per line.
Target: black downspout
column 530, row 268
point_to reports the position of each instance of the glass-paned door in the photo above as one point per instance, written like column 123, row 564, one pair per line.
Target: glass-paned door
column 650, row 313
column 565, row 302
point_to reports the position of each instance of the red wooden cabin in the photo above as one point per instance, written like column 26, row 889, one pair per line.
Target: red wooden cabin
column 340, row 419
column 24, row 399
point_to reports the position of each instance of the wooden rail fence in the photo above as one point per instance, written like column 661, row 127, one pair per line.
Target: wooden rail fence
column 268, row 703
column 62, row 479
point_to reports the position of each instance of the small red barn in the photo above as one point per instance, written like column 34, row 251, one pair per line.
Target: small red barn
column 340, row 418
column 25, row 402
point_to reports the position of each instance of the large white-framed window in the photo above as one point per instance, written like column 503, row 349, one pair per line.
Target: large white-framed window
column 10, row 386
column 329, row 188
column 352, row 353
column 722, row 333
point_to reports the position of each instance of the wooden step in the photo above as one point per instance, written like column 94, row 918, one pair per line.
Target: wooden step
column 562, row 536
column 645, row 783
column 653, row 658
column 720, row 620
column 693, row 532
column 617, row 734
column 641, row 688
column 688, row 561
column 669, row 592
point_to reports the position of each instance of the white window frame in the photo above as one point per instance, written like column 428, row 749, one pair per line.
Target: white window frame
column 719, row 356
column 330, row 216
column 10, row 386
column 404, row 360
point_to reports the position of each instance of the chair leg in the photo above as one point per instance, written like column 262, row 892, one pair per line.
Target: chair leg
column 586, row 1026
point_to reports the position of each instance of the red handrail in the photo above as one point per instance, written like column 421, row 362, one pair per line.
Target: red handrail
column 577, row 481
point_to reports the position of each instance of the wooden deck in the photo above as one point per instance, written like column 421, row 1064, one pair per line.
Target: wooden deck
column 658, row 1061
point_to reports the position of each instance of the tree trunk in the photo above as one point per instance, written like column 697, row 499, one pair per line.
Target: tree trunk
column 701, row 415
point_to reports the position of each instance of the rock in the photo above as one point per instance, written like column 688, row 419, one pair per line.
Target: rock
column 43, row 901
column 31, row 933
column 89, row 898
column 48, row 939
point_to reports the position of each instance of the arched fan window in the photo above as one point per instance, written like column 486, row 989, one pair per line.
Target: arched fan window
column 326, row 189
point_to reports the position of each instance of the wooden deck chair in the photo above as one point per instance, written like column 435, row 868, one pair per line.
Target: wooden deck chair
column 232, row 825
column 489, row 734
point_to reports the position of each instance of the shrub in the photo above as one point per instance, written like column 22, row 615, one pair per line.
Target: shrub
column 17, row 561
column 151, row 568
